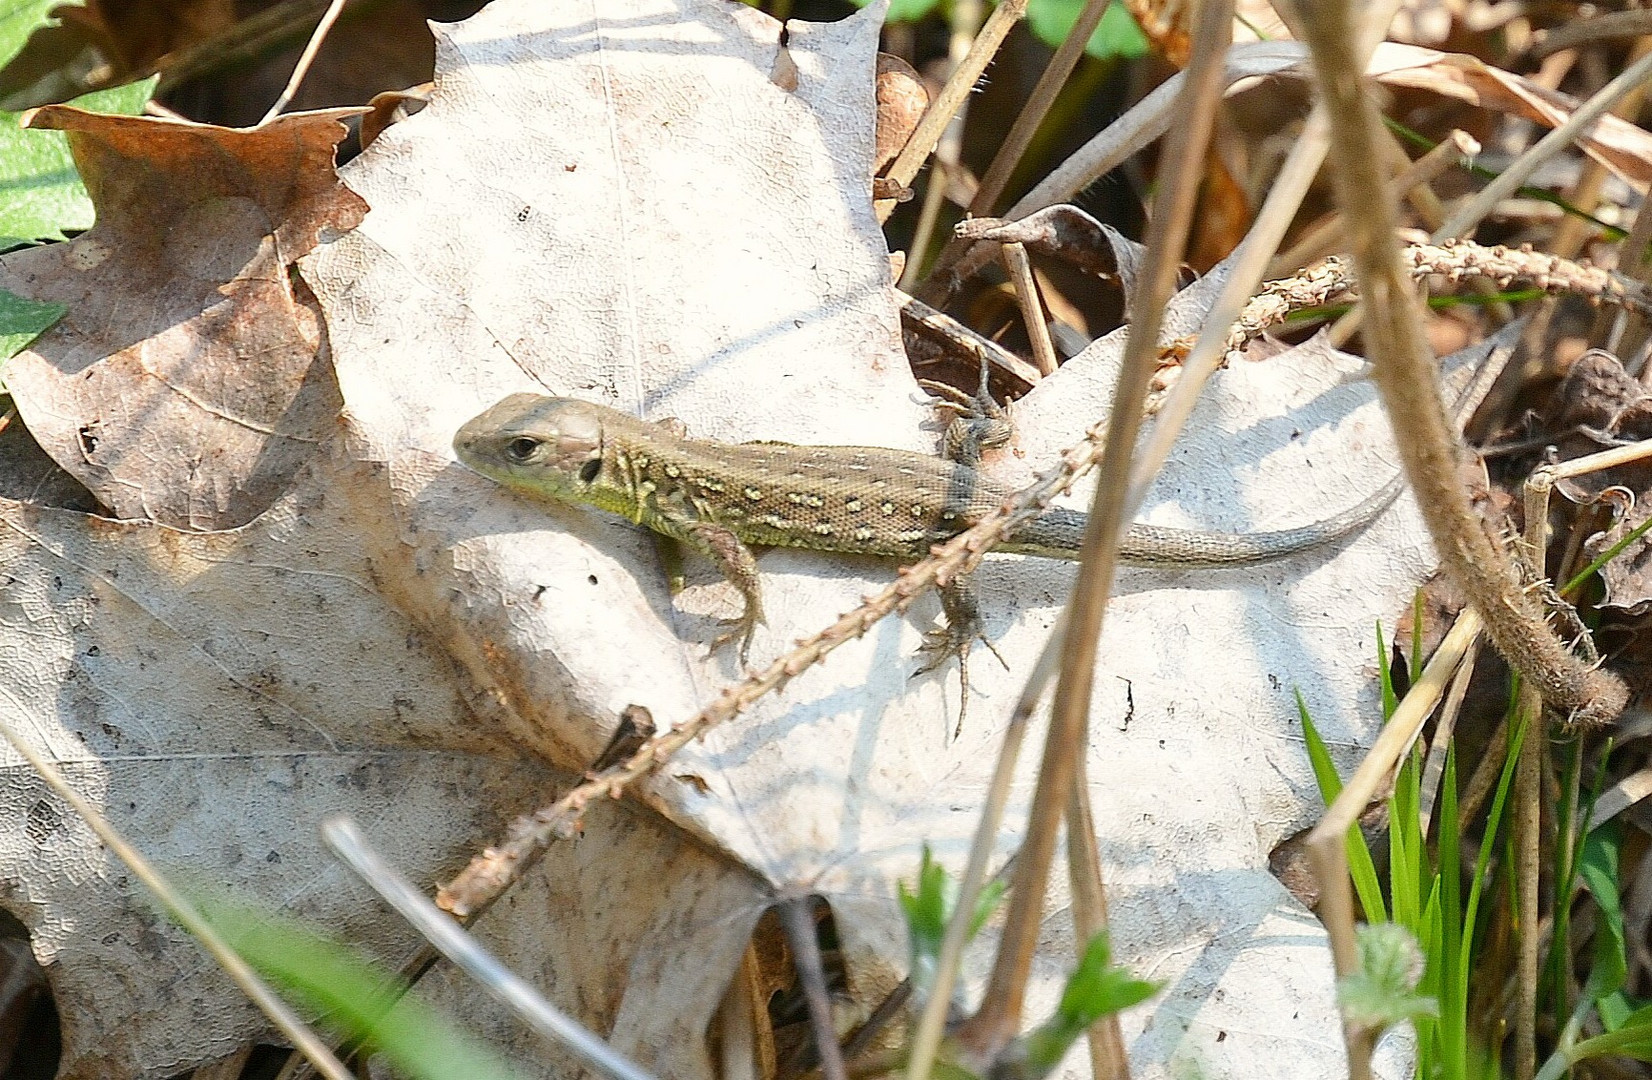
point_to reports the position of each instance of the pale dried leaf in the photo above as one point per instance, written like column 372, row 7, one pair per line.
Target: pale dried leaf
column 632, row 210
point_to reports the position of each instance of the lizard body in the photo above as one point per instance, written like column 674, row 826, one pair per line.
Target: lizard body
column 720, row 497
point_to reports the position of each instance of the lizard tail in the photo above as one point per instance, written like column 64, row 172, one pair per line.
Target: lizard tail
column 1058, row 533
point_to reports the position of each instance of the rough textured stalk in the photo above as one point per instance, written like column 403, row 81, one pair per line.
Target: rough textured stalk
column 1406, row 375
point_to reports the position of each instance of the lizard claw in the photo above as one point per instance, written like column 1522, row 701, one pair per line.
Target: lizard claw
column 978, row 422
column 962, row 629
column 741, row 630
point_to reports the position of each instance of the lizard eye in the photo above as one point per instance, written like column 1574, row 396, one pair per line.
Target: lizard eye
column 521, row 448
column 588, row 471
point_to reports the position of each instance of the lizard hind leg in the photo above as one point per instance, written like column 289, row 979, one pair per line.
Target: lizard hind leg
column 978, row 422
column 957, row 637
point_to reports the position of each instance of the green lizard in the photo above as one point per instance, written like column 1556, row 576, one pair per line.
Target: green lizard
column 721, row 499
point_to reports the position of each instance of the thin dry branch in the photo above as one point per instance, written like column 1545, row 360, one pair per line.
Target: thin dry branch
column 952, row 97
column 302, row 68
column 1616, row 24
column 1406, row 375
column 1454, row 261
column 999, row 1016
column 1036, row 108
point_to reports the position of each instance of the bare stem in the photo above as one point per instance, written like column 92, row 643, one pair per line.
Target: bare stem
column 302, row 68
column 1528, row 803
column 1406, row 375
column 1000, row 1013
column 952, row 97
column 1107, row 1057
column 799, row 924
column 1037, row 107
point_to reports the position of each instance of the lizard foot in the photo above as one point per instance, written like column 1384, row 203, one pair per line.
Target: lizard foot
column 957, row 637
column 978, row 422
column 740, row 630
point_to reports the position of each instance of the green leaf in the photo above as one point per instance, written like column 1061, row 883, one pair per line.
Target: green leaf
column 23, row 320
column 19, row 19
column 1385, row 677
column 1616, row 1009
column 43, row 196
column 1097, row 988
column 1116, row 36
column 1598, row 867
column 1633, row 1039
column 901, row 11
column 1383, row 992
column 1360, row 865
column 1447, row 959
column 929, row 909
column 353, row 995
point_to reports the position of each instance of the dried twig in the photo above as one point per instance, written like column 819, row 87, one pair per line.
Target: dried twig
column 1528, row 842
column 1145, row 121
column 1032, row 308
column 797, row 919
column 302, row 68
column 261, row 34
column 1323, row 238
column 1327, row 843
column 999, row 1016
column 1036, row 108
column 1521, row 169
column 1455, row 261
column 966, row 19
column 1406, row 375
column 920, row 320
column 952, row 96
column 1569, row 35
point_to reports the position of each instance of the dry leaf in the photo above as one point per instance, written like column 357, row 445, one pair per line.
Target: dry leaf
column 1614, row 142
column 902, row 101
column 603, row 258
column 188, row 383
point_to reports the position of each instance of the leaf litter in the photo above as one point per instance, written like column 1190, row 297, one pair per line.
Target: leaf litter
column 334, row 615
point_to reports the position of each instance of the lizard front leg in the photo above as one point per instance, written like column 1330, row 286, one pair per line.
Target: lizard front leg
column 978, row 422
column 738, row 565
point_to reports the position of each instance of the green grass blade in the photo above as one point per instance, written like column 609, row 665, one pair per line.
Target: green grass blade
column 1494, row 819
column 1453, row 992
column 1598, row 865
column 1408, row 872
column 1385, row 676
column 353, row 995
column 1361, row 867
column 1556, row 984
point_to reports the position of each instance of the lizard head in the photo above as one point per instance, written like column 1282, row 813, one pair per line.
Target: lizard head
column 549, row 446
